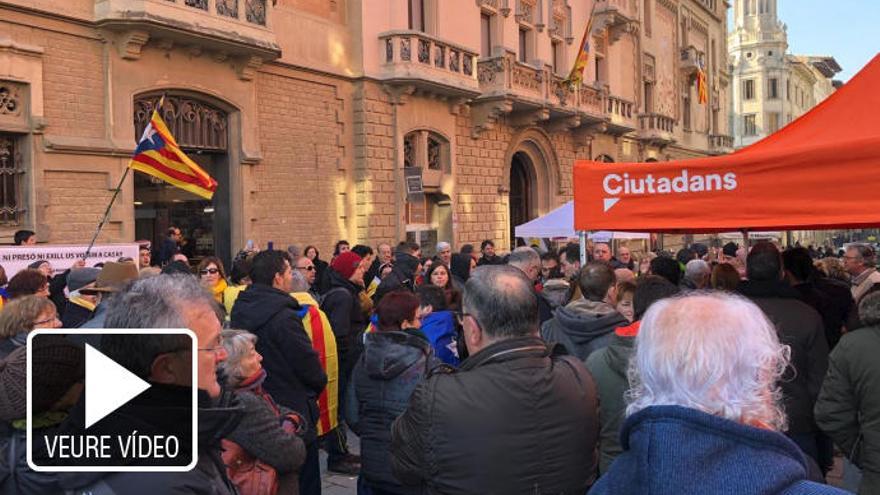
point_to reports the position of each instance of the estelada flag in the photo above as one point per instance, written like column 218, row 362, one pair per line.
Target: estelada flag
column 576, row 76
column 702, row 87
column 159, row 155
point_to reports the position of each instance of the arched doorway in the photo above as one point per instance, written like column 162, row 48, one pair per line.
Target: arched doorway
column 521, row 201
column 201, row 129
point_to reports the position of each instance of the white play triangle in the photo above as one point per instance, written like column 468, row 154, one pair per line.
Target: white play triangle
column 108, row 386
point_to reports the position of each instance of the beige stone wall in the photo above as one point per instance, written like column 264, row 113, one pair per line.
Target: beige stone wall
column 297, row 192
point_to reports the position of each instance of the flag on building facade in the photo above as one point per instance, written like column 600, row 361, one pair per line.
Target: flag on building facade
column 576, row 76
column 702, row 85
column 159, row 155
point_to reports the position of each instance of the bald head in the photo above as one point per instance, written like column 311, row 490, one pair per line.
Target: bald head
column 503, row 301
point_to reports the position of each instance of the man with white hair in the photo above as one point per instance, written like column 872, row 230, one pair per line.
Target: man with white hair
column 696, row 275
column 705, row 411
column 860, row 262
column 444, row 253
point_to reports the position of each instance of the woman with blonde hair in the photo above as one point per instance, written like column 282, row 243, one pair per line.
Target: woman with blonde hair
column 22, row 315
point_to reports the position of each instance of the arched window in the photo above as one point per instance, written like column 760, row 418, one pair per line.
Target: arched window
column 426, row 149
column 604, row 158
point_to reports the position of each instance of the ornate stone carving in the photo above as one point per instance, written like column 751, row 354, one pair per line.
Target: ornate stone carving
column 424, row 51
column 228, row 8
column 467, row 64
column 439, row 57
column 11, row 103
column 485, row 115
column 405, row 49
column 130, row 43
column 247, row 68
column 193, row 123
column 486, row 70
column 255, row 11
column 389, row 50
column 526, row 78
column 199, row 4
column 453, row 60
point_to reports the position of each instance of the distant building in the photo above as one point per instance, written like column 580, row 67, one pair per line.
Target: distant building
column 770, row 86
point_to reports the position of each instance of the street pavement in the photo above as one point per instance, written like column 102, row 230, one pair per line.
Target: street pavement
column 338, row 484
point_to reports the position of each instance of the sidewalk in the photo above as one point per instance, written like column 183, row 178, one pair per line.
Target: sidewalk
column 339, row 484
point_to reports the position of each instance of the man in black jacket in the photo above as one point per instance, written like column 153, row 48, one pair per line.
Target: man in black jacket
column 800, row 327
column 295, row 377
column 518, row 417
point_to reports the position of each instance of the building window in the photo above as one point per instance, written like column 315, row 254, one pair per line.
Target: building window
column 426, row 149
column 485, row 35
column 749, row 127
column 647, row 15
column 417, row 15
column 649, row 97
column 788, row 89
column 772, row 88
column 11, row 173
column 749, row 89
column 557, row 57
column 523, row 45
column 686, row 112
column 604, row 159
column 600, row 69
column 772, row 122
column 684, row 32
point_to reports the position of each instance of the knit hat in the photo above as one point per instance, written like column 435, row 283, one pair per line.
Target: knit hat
column 729, row 249
column 58, row 365
column 81, row 277
column 345, row 264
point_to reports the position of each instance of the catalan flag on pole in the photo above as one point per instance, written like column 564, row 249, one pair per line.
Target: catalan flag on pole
column 576, row 76
column 702, row 86
column 159, row 155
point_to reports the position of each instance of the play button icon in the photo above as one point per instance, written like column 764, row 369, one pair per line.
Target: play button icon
column 108, row 386
column 128, row 400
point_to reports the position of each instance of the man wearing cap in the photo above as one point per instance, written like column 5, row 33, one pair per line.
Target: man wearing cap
column 80, row 306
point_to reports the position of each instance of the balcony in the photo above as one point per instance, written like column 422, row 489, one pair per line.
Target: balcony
column 621, row 116
column 423, row 62
column 720, row 144
column 238, row 29
column 656, row 129
column 691, row 61
column 618, row 16
column 530, row 95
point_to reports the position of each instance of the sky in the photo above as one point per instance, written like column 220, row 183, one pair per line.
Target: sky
column 848, row 30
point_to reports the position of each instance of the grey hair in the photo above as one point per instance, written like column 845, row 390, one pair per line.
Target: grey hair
column 503, row 301
column 869, row 309
column 713, row 352
column 294, row 251
column 300, row 283
column 238, row 345
column 443, row 245
column 524, row 257
column 866, row 253
column 152, row 302
column 696, row 269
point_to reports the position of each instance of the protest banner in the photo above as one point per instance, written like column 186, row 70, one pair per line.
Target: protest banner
column 61, row 256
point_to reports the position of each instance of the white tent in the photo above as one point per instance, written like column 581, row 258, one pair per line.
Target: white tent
column 560, row 223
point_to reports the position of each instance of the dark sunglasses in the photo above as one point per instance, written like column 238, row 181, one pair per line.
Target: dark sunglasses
column 212, row 271
column 306, row 268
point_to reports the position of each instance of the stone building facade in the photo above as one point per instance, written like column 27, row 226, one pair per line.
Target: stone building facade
column 771, row 86
column 369, row 120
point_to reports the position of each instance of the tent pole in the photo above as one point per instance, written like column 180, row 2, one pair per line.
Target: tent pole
column 582, row 234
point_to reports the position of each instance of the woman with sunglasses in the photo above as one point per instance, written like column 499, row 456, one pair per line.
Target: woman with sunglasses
column 213, row 277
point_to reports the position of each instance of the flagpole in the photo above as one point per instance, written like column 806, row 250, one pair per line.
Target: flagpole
column 106, row 213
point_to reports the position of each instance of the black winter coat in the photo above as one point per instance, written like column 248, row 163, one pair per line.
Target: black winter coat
column 402, row 276
column 295, row 376
column 518, row 417
column 343, row 307
column 386, row 374
column 75, row 316
column 800, row 327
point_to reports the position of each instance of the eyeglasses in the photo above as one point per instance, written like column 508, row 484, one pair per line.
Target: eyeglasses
column 309, row 268
column 212, row 271
column 47, row 320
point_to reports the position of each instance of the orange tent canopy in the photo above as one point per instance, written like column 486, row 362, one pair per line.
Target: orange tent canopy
column 821, row 171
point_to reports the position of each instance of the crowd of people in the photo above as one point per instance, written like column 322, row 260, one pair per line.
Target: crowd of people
column 713, row 370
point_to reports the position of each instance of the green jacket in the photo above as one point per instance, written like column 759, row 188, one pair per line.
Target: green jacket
column 848, row 408
column 608, row 367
